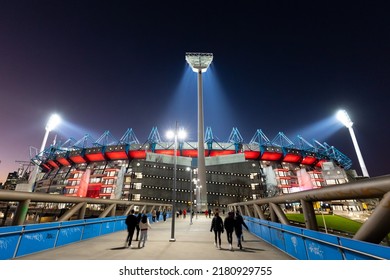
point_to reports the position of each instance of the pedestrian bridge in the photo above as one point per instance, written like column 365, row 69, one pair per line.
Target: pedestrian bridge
column 104, row 239
column 271, row 235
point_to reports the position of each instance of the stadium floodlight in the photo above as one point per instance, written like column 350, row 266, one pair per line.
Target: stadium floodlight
column 175, row 135
column 199, row 63
column 52, row 123
column 344, row 118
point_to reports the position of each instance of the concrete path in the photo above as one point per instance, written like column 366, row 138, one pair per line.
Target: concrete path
column 193, row 242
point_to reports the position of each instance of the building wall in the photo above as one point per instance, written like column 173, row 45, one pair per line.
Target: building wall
column 229, row 179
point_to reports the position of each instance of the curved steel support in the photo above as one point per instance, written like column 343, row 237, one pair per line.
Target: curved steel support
column 280, row 214
column 309, row 214
column 259, row 212
column 377, row 226
column 68, row 214
column 107, row 210
column 21, row 212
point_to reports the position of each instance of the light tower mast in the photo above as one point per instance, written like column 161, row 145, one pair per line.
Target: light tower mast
column 199, row 63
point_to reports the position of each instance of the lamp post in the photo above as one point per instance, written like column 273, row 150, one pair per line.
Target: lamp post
column 198, row 201
column 174, row 134
column 199, row 63
column 191, row 191
column 54, row 121
column 344, row 118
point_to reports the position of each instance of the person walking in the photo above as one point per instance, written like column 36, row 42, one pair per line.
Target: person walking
column 164, row 214
column 131, row 223
column 144, row 226
column 139, row 216
column 217, row 227
column 238, row 223
column 184, row 213
column 154, row 216
column 158, row 213
column 229, row 227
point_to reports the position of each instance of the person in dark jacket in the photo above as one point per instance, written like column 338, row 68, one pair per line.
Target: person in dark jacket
column 139, row 216
column 238, row 223
column 164, row 214
column 217, row 227
column 131, row 223
column 229, row 227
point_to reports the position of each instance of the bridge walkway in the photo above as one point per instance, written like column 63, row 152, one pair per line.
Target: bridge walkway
column 193, row 242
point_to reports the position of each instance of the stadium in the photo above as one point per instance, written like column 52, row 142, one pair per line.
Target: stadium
column 131, row 170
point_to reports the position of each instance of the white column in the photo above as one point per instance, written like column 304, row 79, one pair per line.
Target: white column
column 358, row 153
column 201, row 157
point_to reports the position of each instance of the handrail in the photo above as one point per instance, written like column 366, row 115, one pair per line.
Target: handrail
column 373, row 229
column 79, row 204
column 320, row 241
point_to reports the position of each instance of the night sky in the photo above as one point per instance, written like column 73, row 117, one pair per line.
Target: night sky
column 279, row 66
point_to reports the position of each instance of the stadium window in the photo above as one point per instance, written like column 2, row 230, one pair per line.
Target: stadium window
column 342, row 181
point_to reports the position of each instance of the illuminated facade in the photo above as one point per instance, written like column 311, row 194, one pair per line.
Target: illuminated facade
column 235, row 171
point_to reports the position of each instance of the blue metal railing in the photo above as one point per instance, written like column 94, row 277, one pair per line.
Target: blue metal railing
column 300, row 243
column 18, row 241
column 304, row 244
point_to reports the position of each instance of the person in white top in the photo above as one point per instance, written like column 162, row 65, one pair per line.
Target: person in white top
column 144, row 225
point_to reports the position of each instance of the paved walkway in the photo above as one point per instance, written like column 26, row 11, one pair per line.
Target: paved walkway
column 193, row 242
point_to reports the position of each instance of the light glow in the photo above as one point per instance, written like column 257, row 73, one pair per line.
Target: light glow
column 53, row 122
column 181, row 134
column 170, row 134
column 344, row 118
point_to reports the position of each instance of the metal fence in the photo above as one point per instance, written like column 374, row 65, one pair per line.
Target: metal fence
column 18, row 241
column 305, row 244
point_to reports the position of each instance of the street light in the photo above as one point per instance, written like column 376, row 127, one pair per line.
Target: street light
column 344, row 118
column 191, row 191
column 53, row 122
column 197, row 194
column 174, row 134
column 199, row 63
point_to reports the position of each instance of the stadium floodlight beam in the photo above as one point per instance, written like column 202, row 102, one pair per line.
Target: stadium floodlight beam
column 199, row 63
column 52, row 123
column 344, row 118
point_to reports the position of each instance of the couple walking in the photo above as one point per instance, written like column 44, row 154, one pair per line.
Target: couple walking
column 141, row 223
column 231, row 223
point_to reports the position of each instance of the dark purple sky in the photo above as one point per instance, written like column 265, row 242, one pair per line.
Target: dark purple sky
column 114, row 65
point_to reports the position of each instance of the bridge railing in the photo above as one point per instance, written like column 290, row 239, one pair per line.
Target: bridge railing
column 374, row 230
column 305, row 244
column 18, row 241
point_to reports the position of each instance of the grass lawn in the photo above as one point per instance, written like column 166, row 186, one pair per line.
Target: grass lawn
column 334, row 222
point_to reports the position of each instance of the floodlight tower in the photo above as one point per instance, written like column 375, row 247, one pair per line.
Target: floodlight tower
column 344, row 118
column 199, row 63
column 53, row 122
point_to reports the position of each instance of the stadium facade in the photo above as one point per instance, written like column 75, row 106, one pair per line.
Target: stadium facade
column 235, row 171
